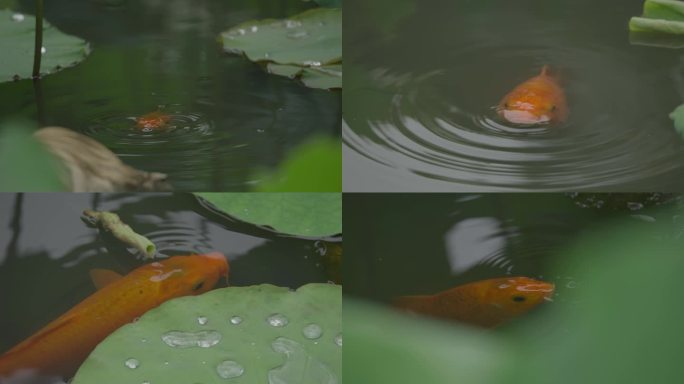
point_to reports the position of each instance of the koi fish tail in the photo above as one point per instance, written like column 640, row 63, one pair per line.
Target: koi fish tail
column 417, row 304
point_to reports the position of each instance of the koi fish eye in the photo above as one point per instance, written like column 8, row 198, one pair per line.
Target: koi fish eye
column 553, row 108
column 519, row 299
column 198, row 286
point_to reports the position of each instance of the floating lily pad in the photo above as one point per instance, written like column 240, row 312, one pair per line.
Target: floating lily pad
column 16, row 44
column 258, row 334
column 302, row 214
column 323, row 77
column 311, row 41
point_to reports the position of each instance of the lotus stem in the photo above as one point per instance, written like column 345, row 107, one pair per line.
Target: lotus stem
column 38, row 48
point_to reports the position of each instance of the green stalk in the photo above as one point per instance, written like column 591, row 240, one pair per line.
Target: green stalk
column 37, row 54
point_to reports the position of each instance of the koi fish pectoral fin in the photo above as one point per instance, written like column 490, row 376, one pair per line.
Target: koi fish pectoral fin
column 103, row 277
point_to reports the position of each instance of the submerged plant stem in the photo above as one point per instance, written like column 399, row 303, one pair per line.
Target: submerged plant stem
column 37, row 51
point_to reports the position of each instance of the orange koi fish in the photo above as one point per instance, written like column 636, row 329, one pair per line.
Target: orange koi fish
column 486, row 303
column 152, row 120
column 539, row 100
column 61, row 346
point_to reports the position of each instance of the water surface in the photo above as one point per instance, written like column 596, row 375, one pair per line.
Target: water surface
column 47, row 251
column 446, row 240
column 229, row 118
column 423, row 77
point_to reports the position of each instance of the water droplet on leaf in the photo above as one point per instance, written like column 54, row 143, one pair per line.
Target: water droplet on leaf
column 132, row 363
column 202, row 339
column 235, row 320
column 202, row 320
column 300, row 366
column 277, row 320
column 229, row 369
column 312, row 331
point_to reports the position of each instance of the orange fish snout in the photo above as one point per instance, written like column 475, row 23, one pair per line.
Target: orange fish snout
column 525, row 113
column 152, row 121
column 539, row 100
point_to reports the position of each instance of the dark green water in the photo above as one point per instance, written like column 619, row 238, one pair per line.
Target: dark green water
column 426, row 243
column 422, row 78
column 47, row 251
column 231, row 118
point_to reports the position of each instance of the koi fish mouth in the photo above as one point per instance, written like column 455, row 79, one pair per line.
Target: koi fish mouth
column 522, row 117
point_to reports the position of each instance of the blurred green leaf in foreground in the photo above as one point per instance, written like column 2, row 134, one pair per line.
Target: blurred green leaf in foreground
column 623, row 326
column 315, row 166
column 24, row 164
column 678, row 116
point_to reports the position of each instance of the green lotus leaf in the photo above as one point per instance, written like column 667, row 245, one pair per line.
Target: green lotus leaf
column 17, row 43
column 323, row 77
column 306, row 46
column 302, row 214
column 258, row 334
column 311, row 38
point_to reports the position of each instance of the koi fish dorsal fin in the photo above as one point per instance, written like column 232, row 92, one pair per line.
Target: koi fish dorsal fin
column 103, row 277
column 545, row 70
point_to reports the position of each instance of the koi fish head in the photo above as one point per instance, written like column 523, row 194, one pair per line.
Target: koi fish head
column 512, row 296
column 187, row 275
column 152, row 121
column 539, row 100
column 527, row 112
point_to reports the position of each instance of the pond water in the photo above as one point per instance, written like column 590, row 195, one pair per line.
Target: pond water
column 447, row 240
column 47, row 251
column 423, row 78
column 229, row 118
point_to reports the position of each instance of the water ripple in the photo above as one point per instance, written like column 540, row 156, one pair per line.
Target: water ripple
column 122, row 130
column 439, row 123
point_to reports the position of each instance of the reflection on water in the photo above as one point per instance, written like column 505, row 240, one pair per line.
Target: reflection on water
column 446, row 240
column 229, row 116
column 47, row 251
column 421, row 92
